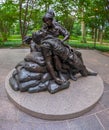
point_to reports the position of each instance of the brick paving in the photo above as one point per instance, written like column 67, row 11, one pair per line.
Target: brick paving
column 11, row 118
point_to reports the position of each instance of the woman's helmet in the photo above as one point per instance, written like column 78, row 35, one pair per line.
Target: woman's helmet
column 49, row 15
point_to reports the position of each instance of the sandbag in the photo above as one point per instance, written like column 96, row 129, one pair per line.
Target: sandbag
column 33, row 67
column 17, row 79
column 26, row 85
column 13, row 84
column 54, row 87
column 20, row 65
column 25, row 75
column 15, row 72
column 46, row 77
column 39, row 88
column 35, row 57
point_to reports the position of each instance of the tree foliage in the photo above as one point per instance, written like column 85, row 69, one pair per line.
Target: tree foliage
column 25, row 13
column 7, row 18
column 93, row 14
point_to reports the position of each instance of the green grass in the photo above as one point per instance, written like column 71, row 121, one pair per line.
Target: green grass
column 14, row 37
column 76, row 44
column 15, row 41
column 12, row 44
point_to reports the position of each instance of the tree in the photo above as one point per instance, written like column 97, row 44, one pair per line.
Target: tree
column 92, row 13
column 98, row 18
column 7, row 18
column 25, row 12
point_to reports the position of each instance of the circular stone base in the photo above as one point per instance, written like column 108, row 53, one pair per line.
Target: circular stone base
column 79, row 98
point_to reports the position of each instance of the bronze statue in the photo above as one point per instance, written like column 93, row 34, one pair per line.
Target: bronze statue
column 51, row 62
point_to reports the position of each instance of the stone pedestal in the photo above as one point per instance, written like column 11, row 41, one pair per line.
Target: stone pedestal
column 79, row 98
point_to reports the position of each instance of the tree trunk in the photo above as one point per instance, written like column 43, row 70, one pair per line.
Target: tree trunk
column 92, row 33
column 98, row 35
column 23, row 19
column 46, row 7
column 20, row 18
column 95, row 37
column 83, row 29
column 101, row 36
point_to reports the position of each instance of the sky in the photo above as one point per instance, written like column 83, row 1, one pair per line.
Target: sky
column 1, row 1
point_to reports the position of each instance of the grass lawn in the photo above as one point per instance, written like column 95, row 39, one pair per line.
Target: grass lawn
column 14, row 41
column 89, row 45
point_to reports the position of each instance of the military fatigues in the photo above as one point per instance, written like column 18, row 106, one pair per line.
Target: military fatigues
column 55, row 30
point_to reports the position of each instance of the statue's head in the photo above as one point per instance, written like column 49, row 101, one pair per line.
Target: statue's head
column 50, row 11
column 37, row 37
column 27, row 39
column 48, row 19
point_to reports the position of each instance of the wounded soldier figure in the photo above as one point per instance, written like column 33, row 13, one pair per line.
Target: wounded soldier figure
column 60, row 56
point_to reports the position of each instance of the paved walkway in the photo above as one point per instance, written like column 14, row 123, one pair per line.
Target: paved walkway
column 11, row 118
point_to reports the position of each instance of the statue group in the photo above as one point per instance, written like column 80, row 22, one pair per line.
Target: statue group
column 51, row 62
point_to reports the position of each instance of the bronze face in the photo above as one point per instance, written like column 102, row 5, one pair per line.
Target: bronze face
column 48, row 21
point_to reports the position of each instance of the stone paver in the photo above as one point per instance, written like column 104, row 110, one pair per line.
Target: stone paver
column 13, row 119
column 89, row 123
column 104, row 118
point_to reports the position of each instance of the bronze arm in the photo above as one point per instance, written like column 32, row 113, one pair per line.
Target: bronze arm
column 48, row 60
